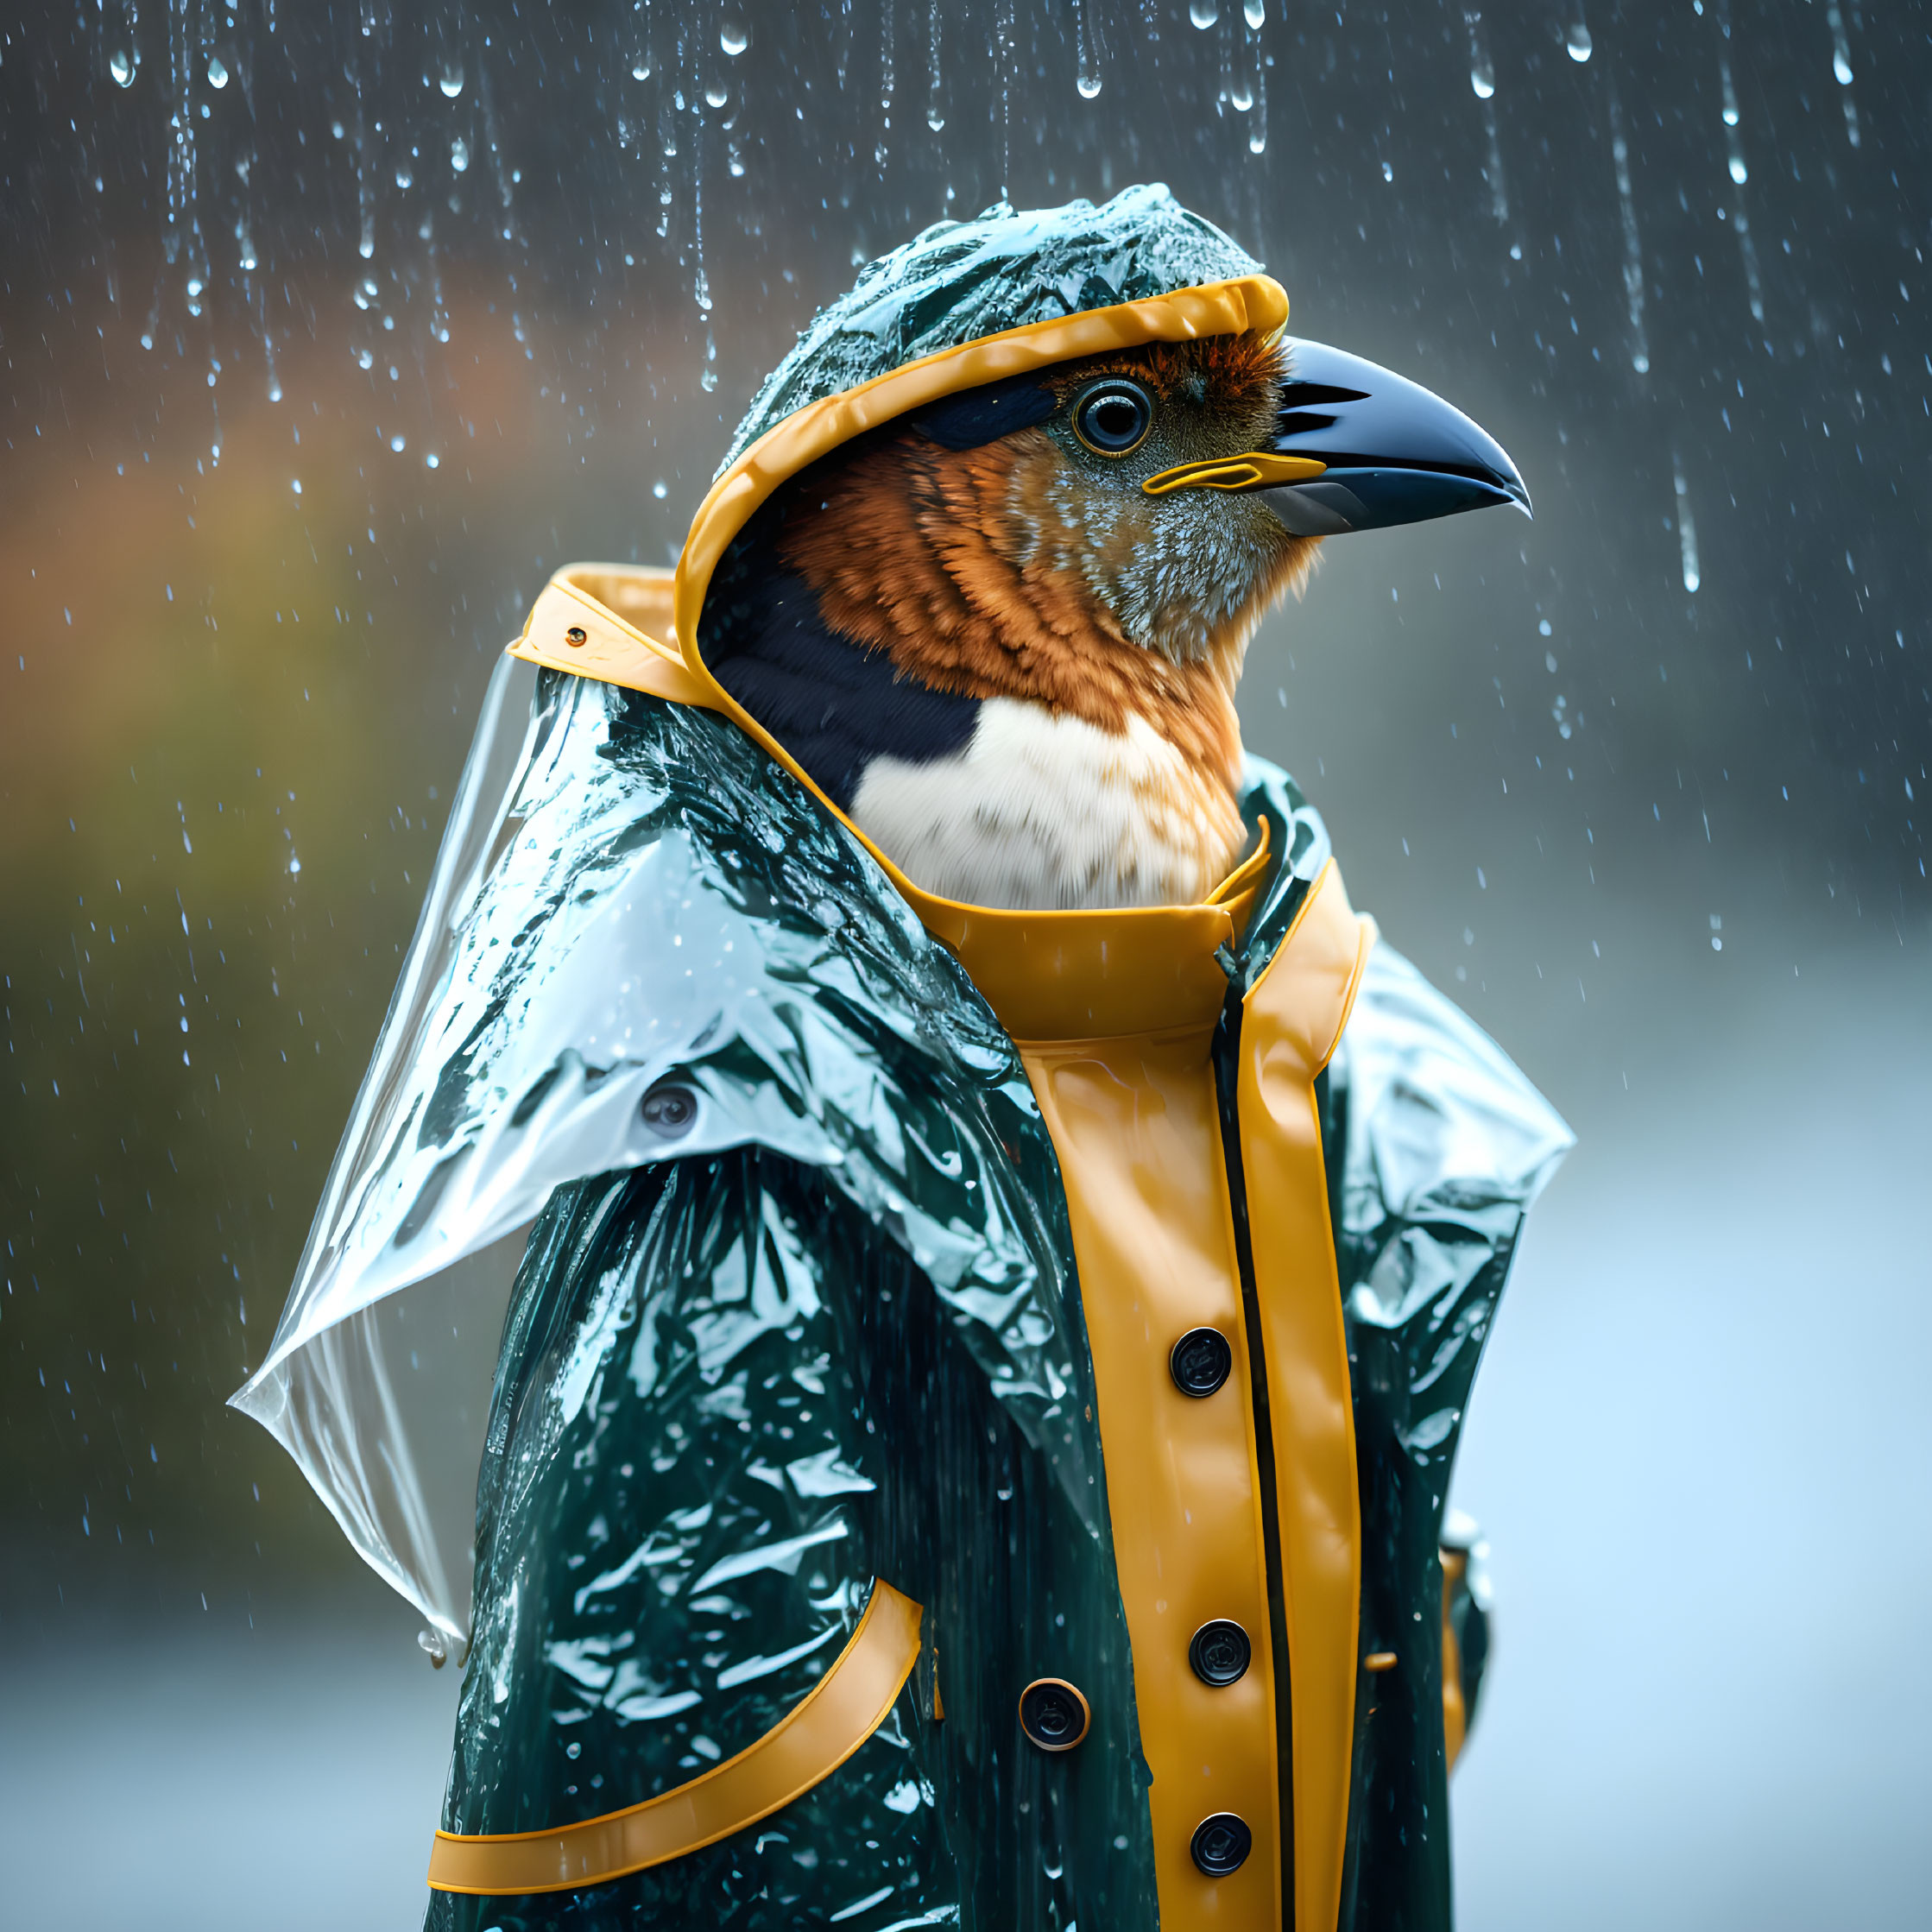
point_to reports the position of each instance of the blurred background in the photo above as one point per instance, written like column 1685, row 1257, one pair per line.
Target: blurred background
column 328, row 333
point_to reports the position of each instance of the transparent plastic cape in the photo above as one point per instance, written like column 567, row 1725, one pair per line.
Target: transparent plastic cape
column 632, row 900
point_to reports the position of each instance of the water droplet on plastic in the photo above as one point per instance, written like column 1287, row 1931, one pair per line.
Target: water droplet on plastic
column 459, row 155
column 452, row 82
column 217, row 74
column 122, row 65
column 1204, row 13
column 1579, row 43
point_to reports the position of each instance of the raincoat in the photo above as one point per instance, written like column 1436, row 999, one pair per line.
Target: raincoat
column 975, row 1404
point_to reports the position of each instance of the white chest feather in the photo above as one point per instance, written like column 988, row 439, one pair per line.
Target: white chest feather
column 1051, row 812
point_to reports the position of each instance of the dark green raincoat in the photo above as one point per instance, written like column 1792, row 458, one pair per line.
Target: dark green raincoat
column 801, row 1313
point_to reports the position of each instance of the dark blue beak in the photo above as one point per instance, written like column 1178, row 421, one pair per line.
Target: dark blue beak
column 1391, row 452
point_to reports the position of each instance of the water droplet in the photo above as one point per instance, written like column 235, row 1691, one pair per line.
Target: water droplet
column 1730, row 116
column 1579, row 43
column 1088, row 85
column 734, row 37
column 640, row 69
column 659, row 490
column 452, row 82
column 295, row 483
column 716, row 94
column 364, row 358
column 217, row 74
column 1388, row 173
column 403, row 177
column 433, row 461
column 1204, row 13
column 122, row 65
column 1256, row 13
column 399, row 443
column 294, row 865
column 459, row 156
column 1739, row 172
column 1640, row 363
column 1843, row 68
column 1482, row 82
column 935, row 119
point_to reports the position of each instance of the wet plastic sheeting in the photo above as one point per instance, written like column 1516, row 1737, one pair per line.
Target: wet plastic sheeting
column 635, row 904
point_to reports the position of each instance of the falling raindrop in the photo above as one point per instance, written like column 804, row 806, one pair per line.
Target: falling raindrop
column 1841, row 68
column 1087, row 77
column 716, row 93
column 1256, row 13
column 1204, row 13
column 1739, row 172
column 122, row 64
column 935, row 113
column 1258, row 125
column 452, row 83
column 1482, row 81
column 217, row 74
column 399, row 443
column 459, row 156
column 1687, row 533
column 1579, row 43
column 1633, row 251
column 733, row 36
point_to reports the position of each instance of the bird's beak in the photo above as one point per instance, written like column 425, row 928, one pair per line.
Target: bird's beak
column 1358, row 447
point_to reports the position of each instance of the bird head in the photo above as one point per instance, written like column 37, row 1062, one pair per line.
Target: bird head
column 1000, row 624
column 1114, row 528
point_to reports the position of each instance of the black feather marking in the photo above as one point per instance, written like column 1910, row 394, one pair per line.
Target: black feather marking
column 833, row 704
column 976, row 417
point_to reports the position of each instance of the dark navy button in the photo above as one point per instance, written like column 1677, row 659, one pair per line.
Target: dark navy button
column 1220, row 1652
column 1222, row 1844
column 670, row 1110
column 1201, row 1362
column 1053, row 1714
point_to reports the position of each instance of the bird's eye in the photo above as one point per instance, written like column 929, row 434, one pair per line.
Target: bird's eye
column 1112, row 417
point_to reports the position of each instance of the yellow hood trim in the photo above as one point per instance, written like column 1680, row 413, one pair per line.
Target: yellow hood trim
column 1047, row 974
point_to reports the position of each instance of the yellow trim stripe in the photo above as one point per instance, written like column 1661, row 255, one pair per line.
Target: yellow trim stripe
column 846, row 1706
column 1291, row 1023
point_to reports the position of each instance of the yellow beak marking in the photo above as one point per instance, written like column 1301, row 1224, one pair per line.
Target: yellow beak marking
column 1252, row 469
